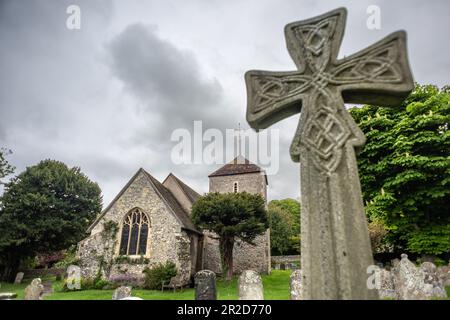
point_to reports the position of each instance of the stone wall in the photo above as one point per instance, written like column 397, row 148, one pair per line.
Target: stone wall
column 245, row 256
column 167, row 241
column 291, row 262
column 249, row 182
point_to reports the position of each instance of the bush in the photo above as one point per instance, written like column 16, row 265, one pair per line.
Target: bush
column 154, row 277
column 69, row 258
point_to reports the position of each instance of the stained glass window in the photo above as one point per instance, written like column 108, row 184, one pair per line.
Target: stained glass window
column 134, row 233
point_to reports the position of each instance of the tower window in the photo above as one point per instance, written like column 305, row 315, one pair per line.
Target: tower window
column 235, row 187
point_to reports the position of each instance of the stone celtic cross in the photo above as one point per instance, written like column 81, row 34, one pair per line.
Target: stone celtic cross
column 335, row 245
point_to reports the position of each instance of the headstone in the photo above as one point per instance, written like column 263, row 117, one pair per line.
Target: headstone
column 121, row 293
column 34, row 291
column 250, row 286
column 296, row 285
column 444, row 273
column 19, row 278
column 386, row 288
column 205, row 285
column 282, row 266
column 131, row 298
column 8, row 295
column 413, row 283
column 336, row 249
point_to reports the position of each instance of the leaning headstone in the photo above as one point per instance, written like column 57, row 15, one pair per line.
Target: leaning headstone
column 8, row 295
column 250, row 286
column 413, row 283
column 34, row 291
column 205, row 285
column 296, row 285
column 19, row 278
column 336, row 250
column 121, row 293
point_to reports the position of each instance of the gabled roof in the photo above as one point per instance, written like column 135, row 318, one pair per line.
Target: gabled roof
column 190, row 193
column 238, row 165
column 173, row 203
column 165, row 195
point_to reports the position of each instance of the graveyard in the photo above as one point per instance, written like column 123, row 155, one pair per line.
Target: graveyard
column 119, row 199
column 276, row 287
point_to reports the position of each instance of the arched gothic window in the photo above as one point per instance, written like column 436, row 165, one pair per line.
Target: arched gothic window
column 134, row 236
column 235, row 187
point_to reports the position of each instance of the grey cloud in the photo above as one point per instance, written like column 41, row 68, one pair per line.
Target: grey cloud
column 167, row 80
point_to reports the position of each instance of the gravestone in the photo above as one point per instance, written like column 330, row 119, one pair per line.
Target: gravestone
column 296, row 285
column 413, row 283
column 250, row 286
column 444, row 273
column 386, row 288
column 19, row 278
column 205, row 285
column 131, row 298
column 34, row 291
column 8, row 295
column 335, row 247
column 121, row 292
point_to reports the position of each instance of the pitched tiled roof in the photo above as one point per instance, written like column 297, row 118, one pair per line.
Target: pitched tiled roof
column 173, row 203
column 188, row 191
column 238, row 165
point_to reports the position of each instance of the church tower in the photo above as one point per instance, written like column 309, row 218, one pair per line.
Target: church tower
column 239, row 175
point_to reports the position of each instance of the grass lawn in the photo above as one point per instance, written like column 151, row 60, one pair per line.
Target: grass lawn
column 276, row 287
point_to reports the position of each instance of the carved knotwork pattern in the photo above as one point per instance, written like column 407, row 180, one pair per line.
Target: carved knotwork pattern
column 325, row 130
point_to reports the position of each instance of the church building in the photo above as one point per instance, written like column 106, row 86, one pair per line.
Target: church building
column 149, row 222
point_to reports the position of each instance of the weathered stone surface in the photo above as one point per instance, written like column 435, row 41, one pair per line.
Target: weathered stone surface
column 121, row 293
column 444, row 274
column 34, row 291
column 296, row 285
column 8, row 295
column 205, row 285
column 250, row 286
column 336, row 249
column 385, row 281
column 19, row 278
column 413, row 283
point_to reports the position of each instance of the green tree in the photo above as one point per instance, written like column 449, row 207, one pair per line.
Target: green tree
column 5, row 167
column 230, row 216
column 45, row 208
column 284, row 218
column 405, row 169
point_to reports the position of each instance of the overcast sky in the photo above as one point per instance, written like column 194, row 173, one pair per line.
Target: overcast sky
column 107, row 97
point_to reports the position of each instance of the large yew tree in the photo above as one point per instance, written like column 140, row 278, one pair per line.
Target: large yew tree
column 405, row 169
column 47, row 207
column 231, row 216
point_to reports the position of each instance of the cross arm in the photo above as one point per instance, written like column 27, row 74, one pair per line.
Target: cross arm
column 378, row 75
column 273, row 96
